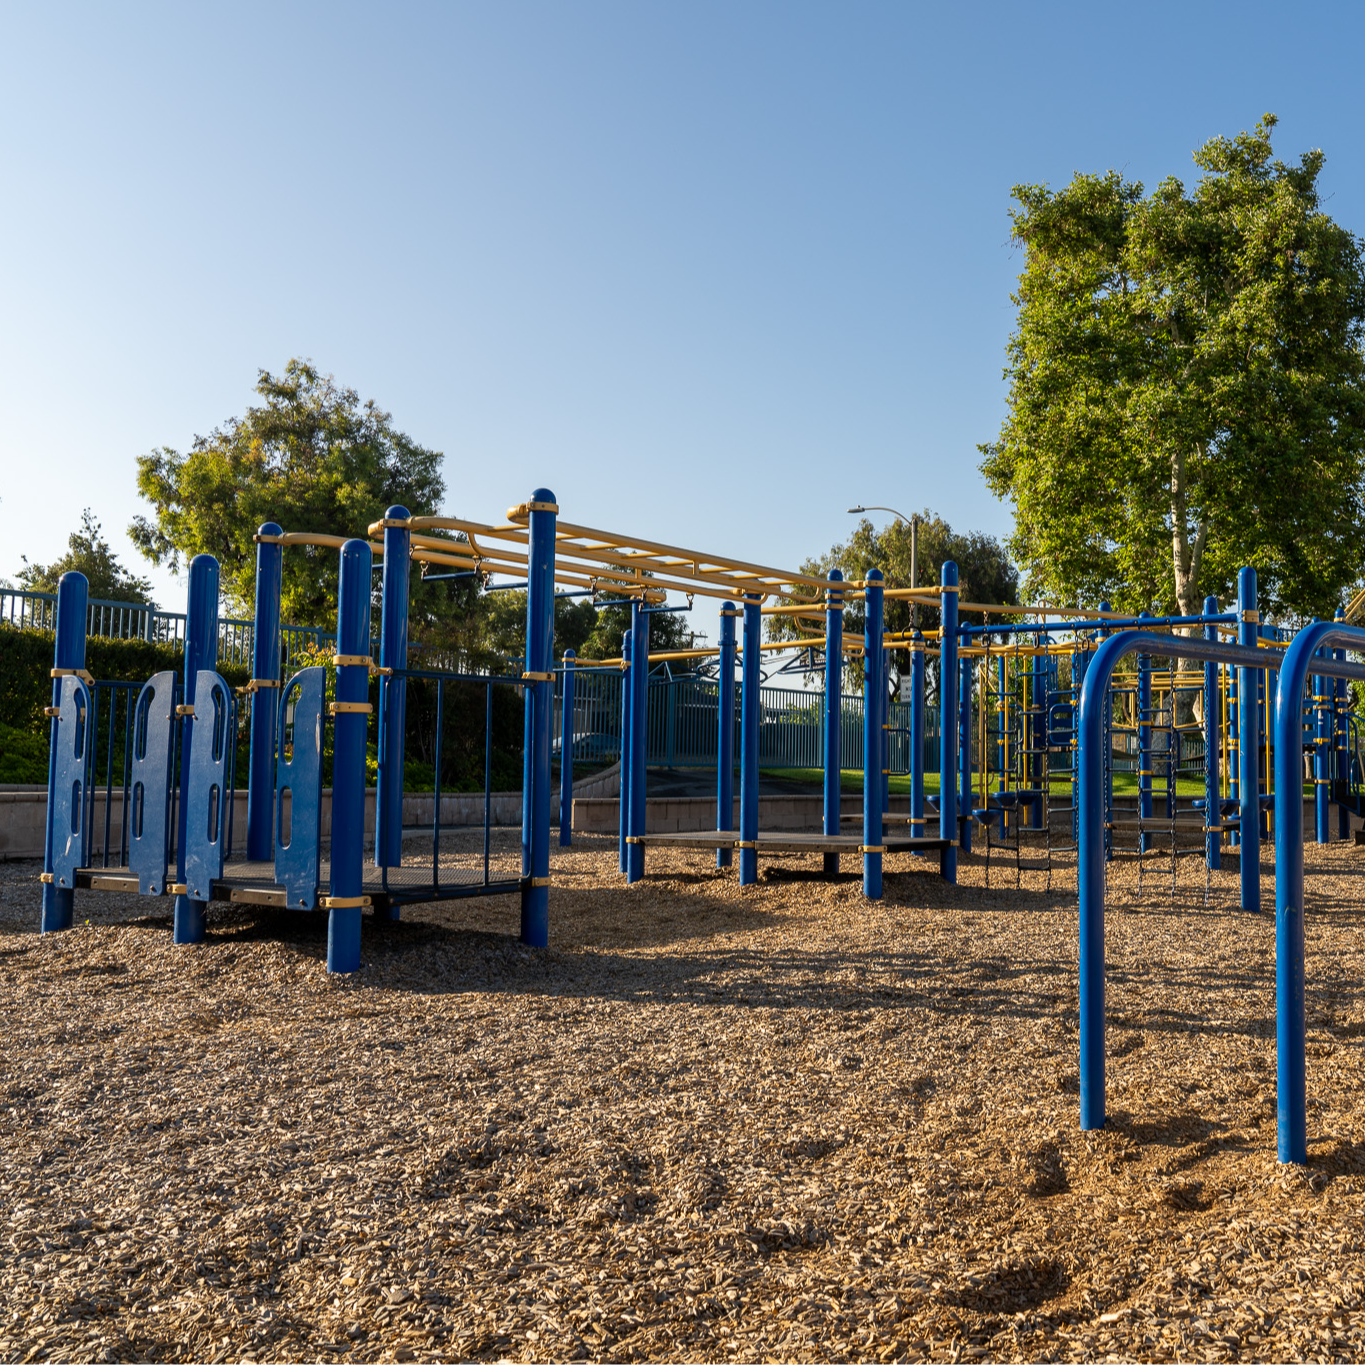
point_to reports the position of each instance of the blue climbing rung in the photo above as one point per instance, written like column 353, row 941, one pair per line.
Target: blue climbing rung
column 70, row 831
column 149, row 783
column 213, row 730
column 299, row 777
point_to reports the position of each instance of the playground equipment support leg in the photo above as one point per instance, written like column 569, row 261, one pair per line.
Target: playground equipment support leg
column 265, row 668
column 1146, row 718
column 393, row 694
column 947, row 734
column 627, row 712
column 348, row 759
column 1213, row 839
column 917, row 733
column 725, row 730
column 833, row 712
column 874, row 708
column 751, row 680
column 639, row 738
column 73, row 594
column 540, row 628
column 1249, row 744
column 201, row 651
column 964, row 748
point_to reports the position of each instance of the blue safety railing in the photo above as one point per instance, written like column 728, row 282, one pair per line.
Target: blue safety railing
column 683, row 730
column 30, row 610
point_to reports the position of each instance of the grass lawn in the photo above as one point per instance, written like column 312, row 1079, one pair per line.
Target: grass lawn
column 851, row 780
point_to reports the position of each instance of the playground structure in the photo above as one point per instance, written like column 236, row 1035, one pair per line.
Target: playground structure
column 1029, row 714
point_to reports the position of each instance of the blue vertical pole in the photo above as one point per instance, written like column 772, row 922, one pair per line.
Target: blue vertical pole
column 1249, row 743
column 751, row 680
column 639, row 739
column 1107, row 761
column 1213, row 839
column 964, row 749
column 833, row 716
column 725, row 731
column 350, row 725
column 393, row 693
column 1341, row 771
column 1144, row 724
column 1002, row 738
column 566, row 738
column 886, row 728
column 1234, row 748
column 917, row 735
column 1322, row 737
column 73, row 595
column 874, row 706
column 1092, row 734
column 540, row 707
column 265, row 698
column 627, row 720
column 947, row 737
column 201, row 651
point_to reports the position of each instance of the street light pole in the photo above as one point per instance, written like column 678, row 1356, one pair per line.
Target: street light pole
column 913, row 523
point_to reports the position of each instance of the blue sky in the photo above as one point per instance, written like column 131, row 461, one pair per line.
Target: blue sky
column 711, row 272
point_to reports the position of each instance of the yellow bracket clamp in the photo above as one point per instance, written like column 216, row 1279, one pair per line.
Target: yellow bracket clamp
column 1252, row 618
column 267, row 540
column 537, row 677
column 347, row 708
column 47, row 879
column 352, row 660
column 872, row 848
column 524, row 509
column 746, row 843
column 342, row 902
column 178, row 889
column 52, row 710
column 538, row 881
column 187, row 710
column 73, row 673
column 260, row 685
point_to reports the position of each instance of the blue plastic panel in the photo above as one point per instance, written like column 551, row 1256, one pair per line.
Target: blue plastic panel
column 299, row 773
column 212, row 732
column 149, row 783
column 70, row 832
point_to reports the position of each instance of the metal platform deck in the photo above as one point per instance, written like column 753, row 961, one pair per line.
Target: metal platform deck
column 253, row 883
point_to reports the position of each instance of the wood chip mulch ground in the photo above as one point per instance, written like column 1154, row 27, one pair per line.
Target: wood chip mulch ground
column 776, row 1123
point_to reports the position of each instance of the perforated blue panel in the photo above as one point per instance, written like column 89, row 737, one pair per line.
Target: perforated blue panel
column 212, row 731
column 70, row 834
column 299, row 772
column 149, row 783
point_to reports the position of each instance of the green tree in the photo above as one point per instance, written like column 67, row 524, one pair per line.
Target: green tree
column 89, row 553
column 985, row 574
column 311, row 457
column 504, row 615
column 1186, row 387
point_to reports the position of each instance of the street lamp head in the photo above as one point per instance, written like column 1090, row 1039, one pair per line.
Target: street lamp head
column 853, row 510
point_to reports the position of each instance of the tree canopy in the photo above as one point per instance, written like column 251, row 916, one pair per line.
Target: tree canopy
column 89, row 553
column 310, row 457
column 985, row 574
column 1186, row 387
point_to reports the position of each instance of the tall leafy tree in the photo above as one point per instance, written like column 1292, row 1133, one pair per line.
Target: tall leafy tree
column 985, row 574
column 310, row 457
column 88, row 552
column 1186, row 388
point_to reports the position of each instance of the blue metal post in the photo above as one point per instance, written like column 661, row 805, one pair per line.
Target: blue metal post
column 874, row 707
column 749, row 713
column 964, row 749
column 349, row 727
column 393, row 693
column 1145, row 720
column 639, row 740
column 725, row 731
column 201, row 651
column 1107, row 724
column 540, row 706
column 265, row 697
column 73, row 594
column 1322, row 759
column 627, row 718
column 947, row 737
column 917, row 735
column 1213, row 839
column 833, row 716
column 566, row 741
column 1249, row 743
column 1341, row 771
column 1002, row 738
